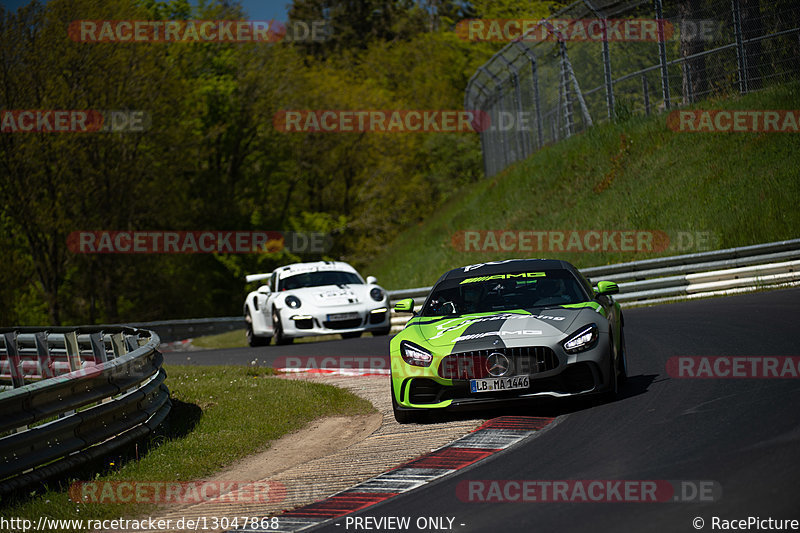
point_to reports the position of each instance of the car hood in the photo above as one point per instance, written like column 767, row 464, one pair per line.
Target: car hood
column 330, row 295
column 492, row 330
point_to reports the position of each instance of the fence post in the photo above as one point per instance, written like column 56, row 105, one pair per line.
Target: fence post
column 486, row 139
column 607, row 71
column 520, row 136
column 536, row 98
column 564, row 93
column 578, row 94
column 499, row 91
column 662, row 53
column 646, row 92
column 741, row 60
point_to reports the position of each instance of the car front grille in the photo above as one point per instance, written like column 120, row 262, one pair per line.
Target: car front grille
column 342, row 324
column 526, row 360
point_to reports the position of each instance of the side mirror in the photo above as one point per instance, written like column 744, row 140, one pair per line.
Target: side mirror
column 372, row 280
column 264, row 289
column 606, row 287
column 404, row 306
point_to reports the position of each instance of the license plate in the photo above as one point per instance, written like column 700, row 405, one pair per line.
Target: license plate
column 499, row 384
column 343, row 316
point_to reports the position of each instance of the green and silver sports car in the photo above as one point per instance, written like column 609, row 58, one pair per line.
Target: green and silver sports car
column 506, row 331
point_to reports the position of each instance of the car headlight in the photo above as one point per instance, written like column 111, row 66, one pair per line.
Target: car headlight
column 376, row 294
column 583, row 340
column 293, row 301
column 415, row 355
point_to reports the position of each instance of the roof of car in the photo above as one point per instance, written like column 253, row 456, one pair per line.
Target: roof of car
column 316, row 266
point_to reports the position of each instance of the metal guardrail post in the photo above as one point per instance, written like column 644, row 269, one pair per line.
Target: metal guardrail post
column 98, row 347
column 12, row 350
column 73, row 350
column 43, row 353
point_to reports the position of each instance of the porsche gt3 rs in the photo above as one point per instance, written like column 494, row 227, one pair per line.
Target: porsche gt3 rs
column 319, row 298
column 505, row 331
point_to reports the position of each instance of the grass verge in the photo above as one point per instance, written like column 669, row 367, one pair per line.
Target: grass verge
column 220, row 415
column 736, row 188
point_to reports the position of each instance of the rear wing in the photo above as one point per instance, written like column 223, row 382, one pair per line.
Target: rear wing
column 256, row 277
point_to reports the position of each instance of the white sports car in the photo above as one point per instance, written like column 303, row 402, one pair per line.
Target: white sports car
column 318, row 298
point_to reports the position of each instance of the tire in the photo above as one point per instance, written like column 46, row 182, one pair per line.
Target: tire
column 277, row 330
column 382, row 332
column 351, row 335
column 623, row 359
column 252, row 339
column 613, row 392
column 401, row 415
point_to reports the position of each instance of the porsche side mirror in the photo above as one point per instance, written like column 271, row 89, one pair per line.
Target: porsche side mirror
column 606, row 287
column 264, row 289
column 404, row 306
column 372, row 280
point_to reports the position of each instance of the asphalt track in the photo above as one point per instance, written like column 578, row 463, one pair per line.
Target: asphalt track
column 742, row 434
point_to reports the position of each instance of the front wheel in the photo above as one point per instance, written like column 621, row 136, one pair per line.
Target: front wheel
column 613, row 391
column 623, row 358
column 277, row 330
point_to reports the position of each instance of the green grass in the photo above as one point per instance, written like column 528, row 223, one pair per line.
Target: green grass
column 237, row 339
column 220, row 415
column 742, row 188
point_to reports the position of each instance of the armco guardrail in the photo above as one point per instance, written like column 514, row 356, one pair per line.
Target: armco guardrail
column 94, row 390
column 682, row 276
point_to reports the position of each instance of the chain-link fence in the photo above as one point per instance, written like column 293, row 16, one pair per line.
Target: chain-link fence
column 610, row 59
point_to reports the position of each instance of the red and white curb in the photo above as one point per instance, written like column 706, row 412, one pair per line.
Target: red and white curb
column 492, row 437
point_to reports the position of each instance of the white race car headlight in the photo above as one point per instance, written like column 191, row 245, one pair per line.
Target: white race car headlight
column 293, row 301
column 584, row 339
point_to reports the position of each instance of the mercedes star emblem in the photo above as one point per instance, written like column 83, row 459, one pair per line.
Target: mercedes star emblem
column 497, row 364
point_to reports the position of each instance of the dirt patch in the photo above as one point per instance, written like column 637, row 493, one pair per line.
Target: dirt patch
column 319, row 439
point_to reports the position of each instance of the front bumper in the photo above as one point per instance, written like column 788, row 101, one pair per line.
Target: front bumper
column 299, row 324
column 579, row 374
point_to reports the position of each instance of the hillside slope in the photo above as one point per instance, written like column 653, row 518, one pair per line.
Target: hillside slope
column 701, row 190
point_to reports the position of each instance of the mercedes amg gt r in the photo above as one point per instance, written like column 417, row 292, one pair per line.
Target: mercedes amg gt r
column 505, row 331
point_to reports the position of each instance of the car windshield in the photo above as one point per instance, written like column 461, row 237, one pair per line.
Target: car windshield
column 318, row 279
column 504, row 292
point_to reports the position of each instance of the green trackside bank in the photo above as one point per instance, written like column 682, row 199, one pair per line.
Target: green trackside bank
column 507, row 331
